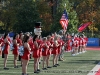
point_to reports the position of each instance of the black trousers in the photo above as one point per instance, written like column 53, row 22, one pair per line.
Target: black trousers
column 2, row 55
column 19, row 58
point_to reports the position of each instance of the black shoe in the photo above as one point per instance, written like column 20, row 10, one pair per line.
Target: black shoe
column 44, row 68
column 49, row 67
column 54, row 65
column 57, row 65
column 16, row 67
column 6, row 68
column 21, row 65
column 39, row 62
column 38, row 70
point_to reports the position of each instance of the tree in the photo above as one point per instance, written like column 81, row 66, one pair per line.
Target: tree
column 72, row 16
column 8, row 15
column 21, row 15
column 88, row 10
column 27, row 15
column 44, row 10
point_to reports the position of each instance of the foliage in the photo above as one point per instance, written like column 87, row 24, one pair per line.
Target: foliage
column 26, row 16
column 7, row 16
column 44, row 11
column 20, row 15
column 88, row 10
column 72, row 16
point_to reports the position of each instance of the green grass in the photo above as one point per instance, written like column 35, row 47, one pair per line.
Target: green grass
column 77, row 65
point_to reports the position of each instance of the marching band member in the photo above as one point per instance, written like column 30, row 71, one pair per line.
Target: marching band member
column 26, row 55
column 86, row 40
column 68, row 45
column 36, row 53
column 20, row 42
column 2, row 46
column 15, row 50
column 55, row 52
column 80, row 44
column 44, row 52
column 6, row 49
column 1, row 43
column 76, row 44
column 59, row 48
column 37, row 46
column 40, row 43
column 83, row 43
column 63, row 37
column 30, row 42
column 49, row 50
column 62, row 45
column 73, row 47
column 21, row 46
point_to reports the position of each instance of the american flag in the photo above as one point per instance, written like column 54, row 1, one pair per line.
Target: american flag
column 64, row 20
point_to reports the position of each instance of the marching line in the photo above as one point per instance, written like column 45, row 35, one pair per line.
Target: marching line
column 94, row 70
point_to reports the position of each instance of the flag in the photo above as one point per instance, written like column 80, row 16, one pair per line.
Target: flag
column 83, row 26
column 64, row 20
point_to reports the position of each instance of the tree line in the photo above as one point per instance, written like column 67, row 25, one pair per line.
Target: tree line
column 21, row 15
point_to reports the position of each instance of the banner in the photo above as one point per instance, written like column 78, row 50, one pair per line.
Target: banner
column 93, row 42
column 83, row 26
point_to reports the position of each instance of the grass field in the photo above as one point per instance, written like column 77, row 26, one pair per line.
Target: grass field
column 77, row 65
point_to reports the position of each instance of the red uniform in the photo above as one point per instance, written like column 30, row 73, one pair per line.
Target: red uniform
column 6, row 48
column 31, row 44
column 59, row 47
column 26, row 55
column 44, row 49
column 80, row 41
column 40, row 42
column 15, row 50
column 86, row 40
column 76, row 42
column 19, row 41
column 83, row 42
column 55, row 50
column 9, row 39
column 1, row 42
column 52, row 42
column 49, row 49
column 68, row 48
column 35, row 52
